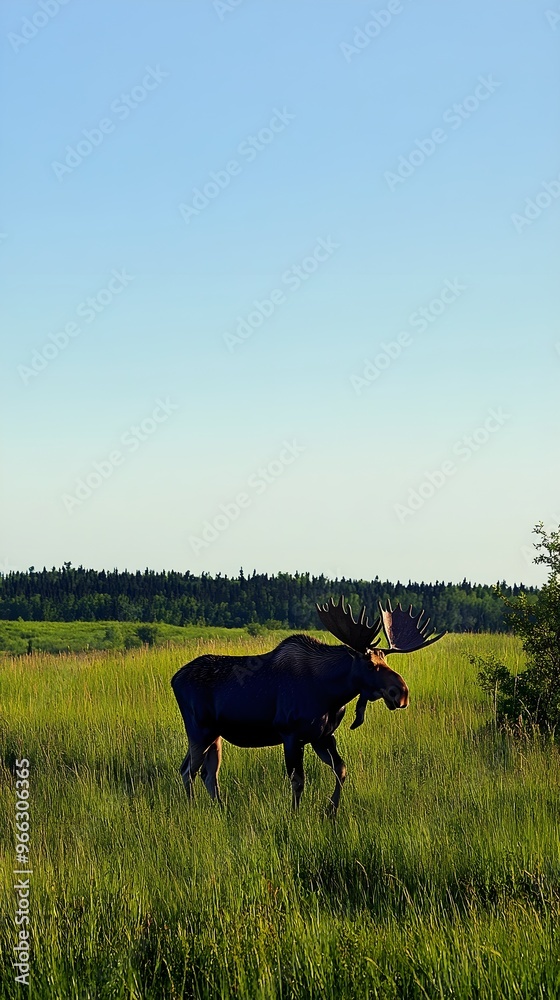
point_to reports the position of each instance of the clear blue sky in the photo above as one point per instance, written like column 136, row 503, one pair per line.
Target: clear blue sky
column 394, row 158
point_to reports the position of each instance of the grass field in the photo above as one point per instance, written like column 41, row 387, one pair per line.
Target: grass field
column 72, row 637
column 440, row 877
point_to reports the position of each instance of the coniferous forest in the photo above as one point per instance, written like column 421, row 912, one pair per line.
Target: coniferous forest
column 275, row 601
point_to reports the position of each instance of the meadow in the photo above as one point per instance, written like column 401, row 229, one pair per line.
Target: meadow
column 74, row 637
column 439, row 878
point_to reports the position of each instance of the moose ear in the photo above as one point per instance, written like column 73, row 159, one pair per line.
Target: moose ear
column 376, row 659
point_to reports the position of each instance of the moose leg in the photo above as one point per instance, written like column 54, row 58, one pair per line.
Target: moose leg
column 210, row 768
column 191, row 765
column 326, row 750
column 293, row 756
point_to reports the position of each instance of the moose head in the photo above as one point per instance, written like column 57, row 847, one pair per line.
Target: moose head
column 405, row 633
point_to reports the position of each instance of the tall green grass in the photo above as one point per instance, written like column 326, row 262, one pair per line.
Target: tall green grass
column 75, row 637
column 440, row 877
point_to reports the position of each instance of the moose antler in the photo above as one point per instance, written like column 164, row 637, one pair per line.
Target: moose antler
column 406, row 632
column 359, row 635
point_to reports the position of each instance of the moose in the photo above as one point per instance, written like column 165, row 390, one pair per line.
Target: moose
column 295, row 694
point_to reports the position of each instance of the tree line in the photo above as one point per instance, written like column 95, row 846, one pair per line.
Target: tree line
column 283, row 600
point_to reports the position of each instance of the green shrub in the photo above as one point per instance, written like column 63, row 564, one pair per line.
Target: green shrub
column 132, row 641
column 253, row 628
column 531, row 699
column 274, row 625
column 147, row 634
column 112, row 638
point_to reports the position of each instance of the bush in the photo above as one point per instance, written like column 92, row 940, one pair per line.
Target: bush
column 531, row 698
column 253, row 628
column 147, row 634
column 132, row 641
column 112, row 638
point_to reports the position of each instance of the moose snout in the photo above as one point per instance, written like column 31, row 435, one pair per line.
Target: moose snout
column 397, row 697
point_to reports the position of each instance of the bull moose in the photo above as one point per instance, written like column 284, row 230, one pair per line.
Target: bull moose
column 295, row 694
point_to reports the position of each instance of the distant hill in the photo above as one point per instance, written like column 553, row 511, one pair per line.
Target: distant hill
column 279, row 601
column 17, row 637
